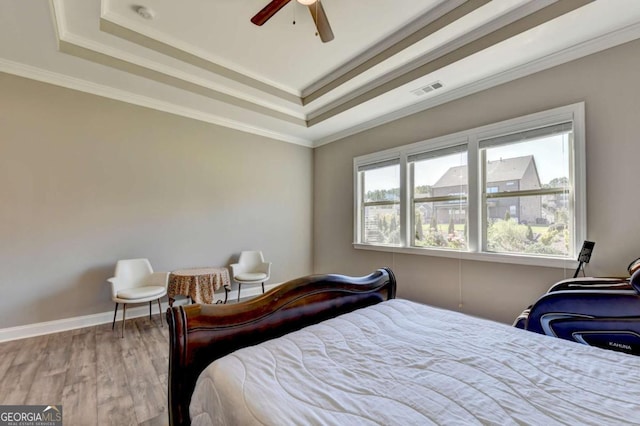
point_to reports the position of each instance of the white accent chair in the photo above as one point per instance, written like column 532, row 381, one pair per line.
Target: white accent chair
column 250, row 269
column 135, row 282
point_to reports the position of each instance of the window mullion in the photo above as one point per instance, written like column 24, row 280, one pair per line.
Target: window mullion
column 411, row 206
column 473, row 209
column 528, row 192
column 442, row 198
column 405, row 222
column 361, row 199
column 380, row 203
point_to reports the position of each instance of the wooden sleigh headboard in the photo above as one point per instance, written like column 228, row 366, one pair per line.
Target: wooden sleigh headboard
column 200, row 334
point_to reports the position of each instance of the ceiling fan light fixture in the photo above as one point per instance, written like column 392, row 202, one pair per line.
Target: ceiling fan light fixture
column 323, row 29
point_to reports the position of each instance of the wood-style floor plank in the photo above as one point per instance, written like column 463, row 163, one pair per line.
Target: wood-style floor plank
column 6, row 359
column 149, row 397
column 32, row 349
column 118, row 412
column 83, row 358
column 98, row 377
column 58, row 354
column 79, row 405
column 48, row 391
column 10, row 346
column 18, row 380
column 112, row 376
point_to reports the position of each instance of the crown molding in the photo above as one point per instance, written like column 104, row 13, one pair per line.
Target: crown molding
column 45, row 76
column 85, row 49
column 326, row 134
column 109, row 24
column 442, row 14
column 432, row 55
column 415, row 31
column 436, row 18
column 609, row 40
column 448, row 54
column 606, row 41
column 165, row 44
column 80, row 46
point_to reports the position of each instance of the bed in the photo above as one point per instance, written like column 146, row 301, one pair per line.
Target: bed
column 331, row 349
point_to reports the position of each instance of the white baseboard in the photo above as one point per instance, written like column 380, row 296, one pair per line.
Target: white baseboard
column 49, row 327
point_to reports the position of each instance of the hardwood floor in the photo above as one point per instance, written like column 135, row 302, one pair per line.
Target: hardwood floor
column 98, row 377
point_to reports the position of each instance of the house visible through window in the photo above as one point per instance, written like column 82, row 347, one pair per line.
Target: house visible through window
column 529, row 212
column 439, row 184
column 380, row 202
column 512, row 188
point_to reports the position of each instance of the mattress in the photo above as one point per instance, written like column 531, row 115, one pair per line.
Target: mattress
column 403, row 363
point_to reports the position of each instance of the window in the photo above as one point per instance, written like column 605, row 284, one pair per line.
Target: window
column 380, row 202
column 511, row 192
column 530, row 214
column 439, row 198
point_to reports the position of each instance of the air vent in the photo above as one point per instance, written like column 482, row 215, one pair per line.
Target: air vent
column 426, row 89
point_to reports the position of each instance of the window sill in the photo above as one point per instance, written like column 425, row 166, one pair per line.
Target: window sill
column 550, row 262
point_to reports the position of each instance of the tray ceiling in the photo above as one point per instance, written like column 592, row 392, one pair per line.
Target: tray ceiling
column 204, row 59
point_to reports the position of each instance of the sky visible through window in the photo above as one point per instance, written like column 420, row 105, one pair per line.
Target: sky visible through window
column 438, row 167
column 550, row 153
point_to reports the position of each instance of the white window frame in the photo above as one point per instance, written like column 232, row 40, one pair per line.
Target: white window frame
column 442, row 144
column 475, row 226
column 359, row 204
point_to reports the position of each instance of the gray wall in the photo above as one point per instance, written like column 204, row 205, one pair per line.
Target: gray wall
column 607, row 82
column 85, row 181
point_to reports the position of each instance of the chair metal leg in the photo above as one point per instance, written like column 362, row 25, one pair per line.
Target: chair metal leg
column 149, row 309
column 113, row 324
column 263, row 288
column 239, row 286
column 160, row 312
column 124, row 314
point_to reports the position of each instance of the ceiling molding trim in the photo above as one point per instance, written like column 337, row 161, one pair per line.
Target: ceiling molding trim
column 413, row 32
column 512, row 29
column 158, row 40
column 109, row 26
column 124, row 28
column 493, row 25
column 84, row 49
column 57, row 14
column 56, row 79
column 77, row 45
column 430, row 56
column 586, row 48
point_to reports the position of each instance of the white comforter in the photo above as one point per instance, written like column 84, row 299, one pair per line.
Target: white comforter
column 401, row 363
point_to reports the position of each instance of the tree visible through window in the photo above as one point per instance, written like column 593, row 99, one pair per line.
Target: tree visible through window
column 529, row 212
column 440, row 198
column 380, row 184
column 515, row 187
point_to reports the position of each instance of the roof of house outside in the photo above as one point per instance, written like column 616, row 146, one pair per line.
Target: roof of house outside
column 497, row 171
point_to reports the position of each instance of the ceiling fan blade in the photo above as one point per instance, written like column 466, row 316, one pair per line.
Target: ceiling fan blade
column 322, row 23
column 268, row 11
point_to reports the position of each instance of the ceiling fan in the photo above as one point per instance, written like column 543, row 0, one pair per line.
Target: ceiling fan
column 315, row 7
